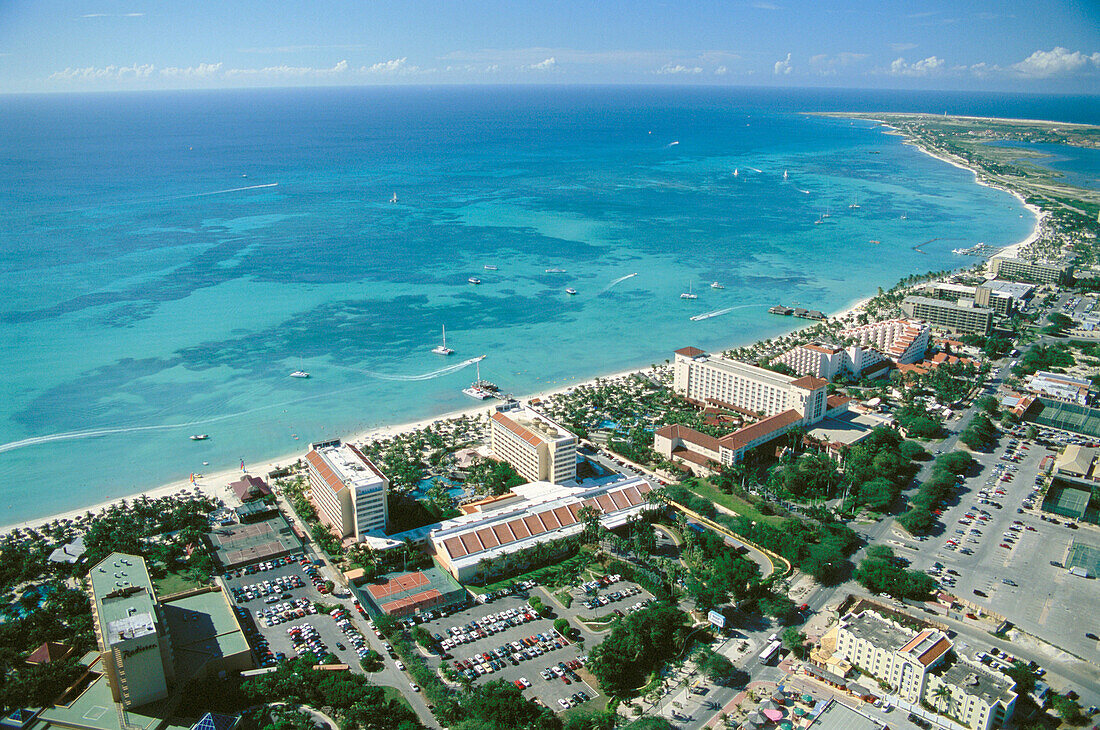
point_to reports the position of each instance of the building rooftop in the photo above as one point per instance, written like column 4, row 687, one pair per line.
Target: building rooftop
column 1076, row 460
column 847, row 428
column 684, row 433
column 977, row 681
column 690, row 352
column 51, row 651
column 343, row 465
column 94, row 709
column 125, row 604
column 871, row 627
column 203, row 627
column 744, row 436
column 250, row 487
column 531, row 426
column 927, row 646
column 967, row 304
column 68, row 553
column 393, row 592
column 1014, row 289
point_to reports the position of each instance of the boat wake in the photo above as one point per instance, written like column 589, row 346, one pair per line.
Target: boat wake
column 755, row 169
column 99, row 432
column 807, row 192
column 415, row 378
column 223, row 192
column 617, row 281
column 717, row 312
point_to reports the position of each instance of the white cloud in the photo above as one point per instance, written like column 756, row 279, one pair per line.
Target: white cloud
column 100, row 73
column 285, row 71
column 677, row 69
column 393, row 66
column 544, row 65
column 783, row 68
column 827, row 65
column 203, row 70
column 113, row 15
column 924, row 67
column 902, row 47
column 1056, row 61
column 721, row 71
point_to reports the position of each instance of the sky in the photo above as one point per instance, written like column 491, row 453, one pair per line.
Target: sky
column 1033, row 46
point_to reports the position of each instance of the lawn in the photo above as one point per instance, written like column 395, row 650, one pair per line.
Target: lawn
column 731, row 501
column 392, row 693
column 539, row 575
column 174, row 583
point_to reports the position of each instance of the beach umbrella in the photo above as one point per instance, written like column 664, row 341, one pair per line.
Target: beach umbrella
column 773, row 715
column 808, row 699
column 786, row 725
column 799, row 711
column 754, row 718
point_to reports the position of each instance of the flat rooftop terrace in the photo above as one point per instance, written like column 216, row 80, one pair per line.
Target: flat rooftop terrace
column 241, row 544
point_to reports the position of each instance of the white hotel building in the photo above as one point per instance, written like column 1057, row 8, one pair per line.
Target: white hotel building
column 537, row 447
column 348, row 489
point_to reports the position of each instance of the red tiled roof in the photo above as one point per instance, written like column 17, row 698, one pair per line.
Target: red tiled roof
column 51, row 651
column 250, row 487
column 835, row 400
column 517, row 429
column 740, row 438
column 690, row 352
column 690, row 435
column 327, row 474
column 809, row 382
column 694, row 458
column 822, row 349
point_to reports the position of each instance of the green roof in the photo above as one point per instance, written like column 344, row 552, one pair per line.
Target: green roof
column 94, row 709
column 203, row 627
column 836, row 716
column 124, row 599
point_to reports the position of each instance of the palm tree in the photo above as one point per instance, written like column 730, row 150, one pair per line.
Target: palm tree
column 943, row 692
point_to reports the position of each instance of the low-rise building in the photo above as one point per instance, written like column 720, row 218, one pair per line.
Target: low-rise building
column 999, row 301
column 537, row 447
column 964, row 315
column 405, row 594
column 1078, row 463
column 901, row 340
column 507, row 533
column 922, row 668
column 829, row 362
column 348, row 490
column 1059, row 386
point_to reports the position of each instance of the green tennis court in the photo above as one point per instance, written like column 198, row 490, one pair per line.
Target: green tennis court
column 1068, row 417
column 1066, row 500
column 1084, row 556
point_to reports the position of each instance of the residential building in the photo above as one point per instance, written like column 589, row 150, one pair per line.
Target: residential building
column 829, row 362
column 496, row 536
column 1041, row 272
column 132, row 636
column 785, row 403
column 962, row 316
column 1000, row 302
column 537, row 447
column 903, row 341
column 348, row 490
column 1059, row 386
column 922, row 668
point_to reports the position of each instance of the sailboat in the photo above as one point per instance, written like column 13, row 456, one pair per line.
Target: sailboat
column 443, row 349
column 689, row 294
column 855, row 204
column 736, row 172
column 299, row 373
column 394, row 198
column 785, row 175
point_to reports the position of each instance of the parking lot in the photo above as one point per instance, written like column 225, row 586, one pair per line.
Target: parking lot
column 507, row 640
column 1009, row 556
column 278, row 598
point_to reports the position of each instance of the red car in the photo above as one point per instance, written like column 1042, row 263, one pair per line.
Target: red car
column 1006, row 546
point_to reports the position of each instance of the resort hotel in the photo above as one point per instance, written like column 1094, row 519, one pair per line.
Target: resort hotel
column 537, row 447
column 348, row 490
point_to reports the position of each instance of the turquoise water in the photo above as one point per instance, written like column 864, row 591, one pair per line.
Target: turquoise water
column 1079, row 166
column 151, row 289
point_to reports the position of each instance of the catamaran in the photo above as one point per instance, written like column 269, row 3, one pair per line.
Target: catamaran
column 480, row 389
column 855, row 204
column 299, row 373
column 689, row 294
column 716, row 285
column 394, row 198
column 200, row 437
column 443, row 349
column 489, row 267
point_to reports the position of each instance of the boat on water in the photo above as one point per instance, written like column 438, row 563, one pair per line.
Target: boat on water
column 481, row 389
column 736, row 172
column 489, row 267
column 299, row 374
column 394, row 198
column 854, row 205
column 199, row 436
column 474, row 280
column 443, row 349
column 785, row 175
column 716, row 285
column 570, row 291
column 689, row 294
column 875, row 242
column 555, row 271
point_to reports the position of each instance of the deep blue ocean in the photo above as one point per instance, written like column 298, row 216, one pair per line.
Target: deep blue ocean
column 167, row 259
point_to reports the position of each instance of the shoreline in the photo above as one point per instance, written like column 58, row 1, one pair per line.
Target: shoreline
column 216, row 484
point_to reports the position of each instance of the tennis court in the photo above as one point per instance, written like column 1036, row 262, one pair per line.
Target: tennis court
column 1066, row 499
column 1068, row 417
column 1084, row 556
